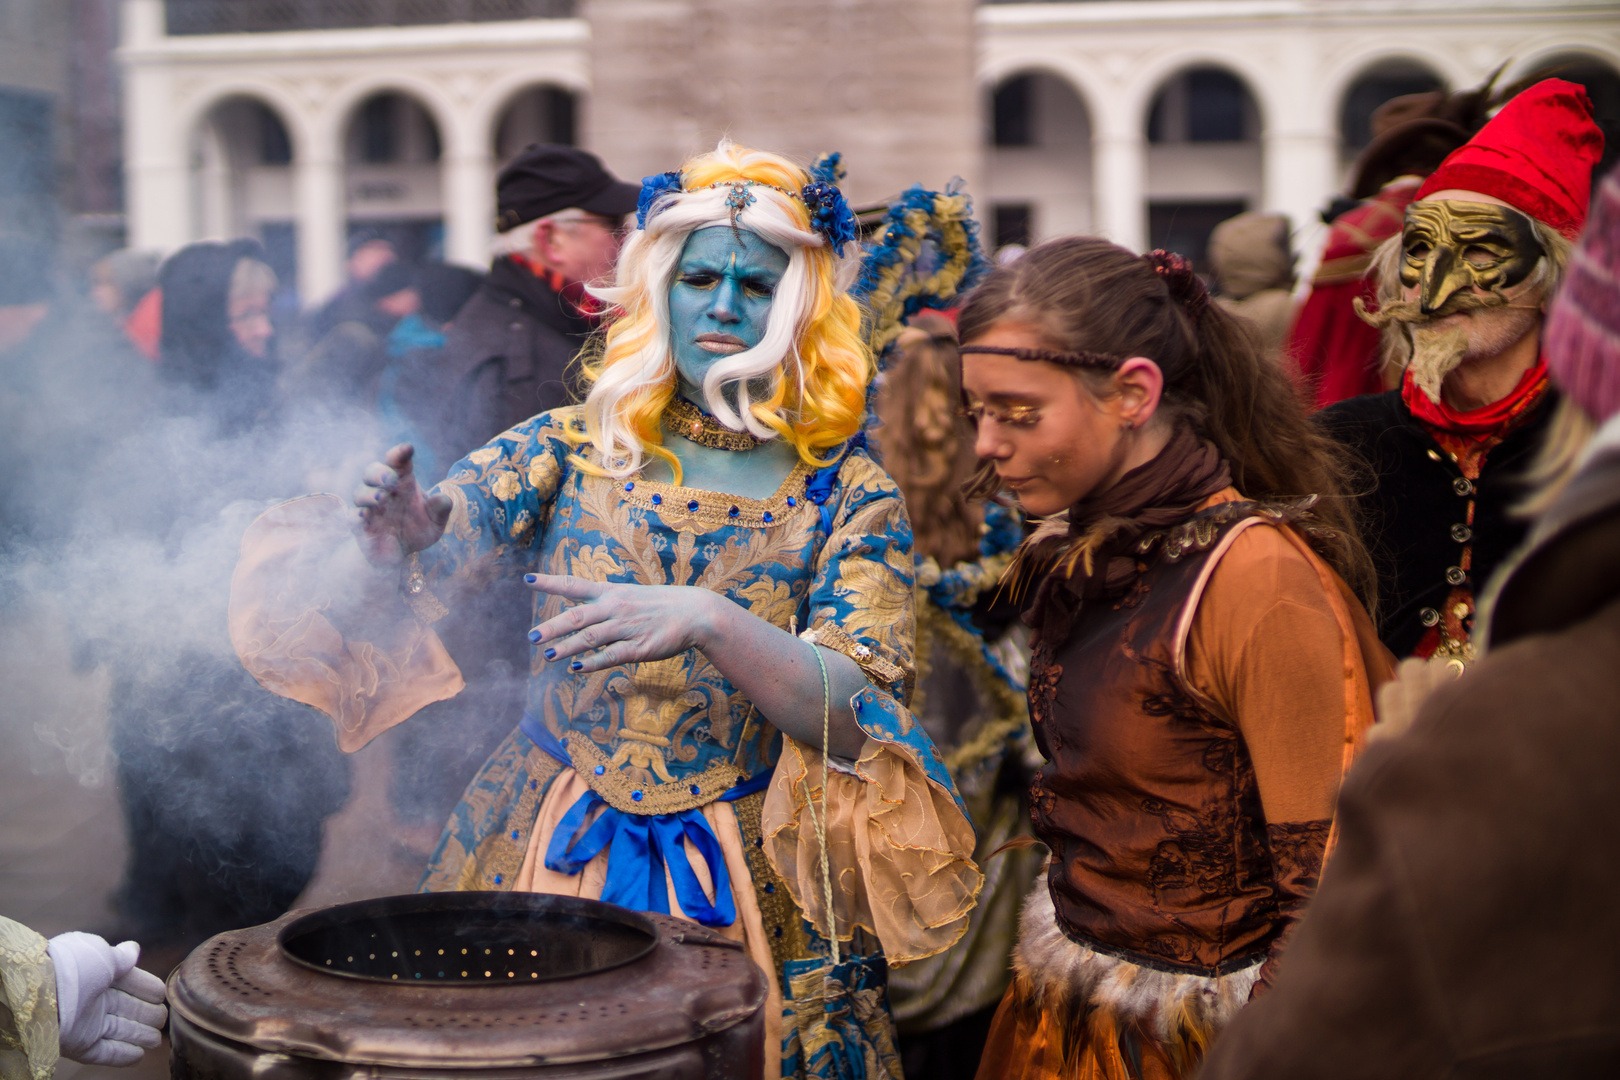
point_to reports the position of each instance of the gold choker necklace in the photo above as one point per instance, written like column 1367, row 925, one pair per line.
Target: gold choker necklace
column 695, row 425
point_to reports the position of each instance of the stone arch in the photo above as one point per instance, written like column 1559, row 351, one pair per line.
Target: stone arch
column 1203, row 118
column 394, row 138
column 293, row 116
column 506, row 131
column 1351, row 66
column 338, row 111
column 242, row 141
column 1375, row 82
column 1156, row 76
column 1038, row 178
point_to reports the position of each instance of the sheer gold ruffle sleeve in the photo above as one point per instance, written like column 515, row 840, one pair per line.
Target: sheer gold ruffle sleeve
column 899, row 849
column 298, row 568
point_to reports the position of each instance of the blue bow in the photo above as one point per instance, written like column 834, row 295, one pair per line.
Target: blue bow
column 640, row 846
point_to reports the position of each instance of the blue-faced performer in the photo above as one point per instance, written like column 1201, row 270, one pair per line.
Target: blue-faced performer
column 716, row 718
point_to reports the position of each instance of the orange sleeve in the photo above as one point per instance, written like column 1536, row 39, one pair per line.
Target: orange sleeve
column 1276, row 646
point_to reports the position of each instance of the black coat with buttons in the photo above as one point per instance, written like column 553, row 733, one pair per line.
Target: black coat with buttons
column 1414, row 507
column 506, row 358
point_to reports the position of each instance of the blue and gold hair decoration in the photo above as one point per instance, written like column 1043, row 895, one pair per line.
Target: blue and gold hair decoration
column 830, row 214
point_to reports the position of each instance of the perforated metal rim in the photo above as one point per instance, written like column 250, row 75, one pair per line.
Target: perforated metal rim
column 476, row 904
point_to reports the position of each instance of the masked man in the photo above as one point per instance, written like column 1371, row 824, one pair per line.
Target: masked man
column 1462, row 293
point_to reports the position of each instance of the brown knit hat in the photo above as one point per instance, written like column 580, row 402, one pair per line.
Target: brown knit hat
column 1582, row 343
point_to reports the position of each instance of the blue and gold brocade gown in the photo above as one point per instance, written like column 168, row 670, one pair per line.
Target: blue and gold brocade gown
column 667, row 757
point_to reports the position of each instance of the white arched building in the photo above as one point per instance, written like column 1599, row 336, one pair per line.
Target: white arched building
column 1109, row 63
column 192, row 174
column 1136, row 119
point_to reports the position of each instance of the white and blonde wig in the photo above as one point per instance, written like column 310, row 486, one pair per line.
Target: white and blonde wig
column 768, row 390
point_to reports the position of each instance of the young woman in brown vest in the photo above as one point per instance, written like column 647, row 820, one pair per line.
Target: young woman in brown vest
column 1203, row 668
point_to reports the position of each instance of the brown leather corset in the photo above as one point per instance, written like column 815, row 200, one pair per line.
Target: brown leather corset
column 1148, row 800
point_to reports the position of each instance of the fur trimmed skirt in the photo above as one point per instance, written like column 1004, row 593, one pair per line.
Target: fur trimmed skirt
column 1079, row 1014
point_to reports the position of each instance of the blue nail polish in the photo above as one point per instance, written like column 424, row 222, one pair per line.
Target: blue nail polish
column 551, row 654
column 530, row 578
column 534, row 635
column 575, row 666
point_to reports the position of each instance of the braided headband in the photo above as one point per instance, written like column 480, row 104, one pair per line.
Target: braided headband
column 830, row 215
column 1101, row 361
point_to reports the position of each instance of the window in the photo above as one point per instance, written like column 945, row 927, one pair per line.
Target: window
column 1203, row 105
column 1012, row 223
column 275, row 148
column 1184, row 227
column 1373, row 89
column 1012, row 110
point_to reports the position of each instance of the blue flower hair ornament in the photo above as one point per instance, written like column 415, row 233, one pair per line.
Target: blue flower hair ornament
column 653, row 188
column 830, row 214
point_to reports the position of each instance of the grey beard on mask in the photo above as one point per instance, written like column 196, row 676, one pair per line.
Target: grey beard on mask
column 1437, row 351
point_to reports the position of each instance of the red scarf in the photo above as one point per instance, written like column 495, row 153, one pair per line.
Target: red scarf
column 1497, row 418
column 573, row 293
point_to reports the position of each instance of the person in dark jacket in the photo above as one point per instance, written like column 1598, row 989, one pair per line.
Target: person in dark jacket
column 218, row 349
column 347, row 363
column 1481, row 252
column 224, row 786
column 507, row 353
column 1466, row 926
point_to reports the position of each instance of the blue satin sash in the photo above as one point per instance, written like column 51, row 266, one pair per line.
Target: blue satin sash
column 640, row 846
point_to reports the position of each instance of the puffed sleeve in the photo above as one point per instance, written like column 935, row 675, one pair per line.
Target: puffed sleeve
column 899, row 841
column 312, row 622
column 28, row 1031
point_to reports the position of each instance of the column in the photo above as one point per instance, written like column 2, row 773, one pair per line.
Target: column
column 1119, row 179
column 468, row 183
column 1300, row 169
column 1299, row 147
column 155, row 169
column 318, row 203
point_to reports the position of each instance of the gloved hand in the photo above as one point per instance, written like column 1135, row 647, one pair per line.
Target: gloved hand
column 111, row 1011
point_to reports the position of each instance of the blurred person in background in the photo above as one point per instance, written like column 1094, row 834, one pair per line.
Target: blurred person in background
column 73, row 997
column 1336, row 353
column 224, row 785
column 505, row 359
column 69, row 384
column 345, row 364
column 431, row 761
column 972, row 661
column 560, row 216
column 119, row 282
column 1253, row 265
column 412, row 379
column 1467, row 924
column 218, row 355
column 368, row 255
column 1460, row 299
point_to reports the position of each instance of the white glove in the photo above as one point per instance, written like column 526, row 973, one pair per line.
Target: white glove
column 110, row 1010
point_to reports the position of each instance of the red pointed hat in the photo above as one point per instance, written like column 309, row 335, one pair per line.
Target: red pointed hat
column 1536, row 155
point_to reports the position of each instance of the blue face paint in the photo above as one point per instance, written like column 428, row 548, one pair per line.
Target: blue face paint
column 720, row 299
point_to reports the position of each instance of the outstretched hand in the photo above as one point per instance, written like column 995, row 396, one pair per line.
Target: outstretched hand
column 394, row 518
column 619, row 624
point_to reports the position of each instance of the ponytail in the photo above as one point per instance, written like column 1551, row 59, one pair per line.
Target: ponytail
column 1086, row 295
